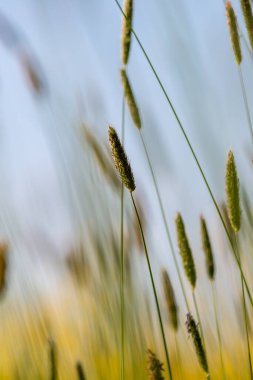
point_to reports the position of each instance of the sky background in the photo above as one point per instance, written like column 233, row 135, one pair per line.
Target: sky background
column 77, row 46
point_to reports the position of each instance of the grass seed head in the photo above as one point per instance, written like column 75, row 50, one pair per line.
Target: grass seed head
column 233, row 31
column 126, row 30
column 129, row 96
column 207, row 248
column 232, row 193
column 199, row 349
column 120, row 160
column 170, row 299
column 155, row 367
column 248, row 18
column 185, row 251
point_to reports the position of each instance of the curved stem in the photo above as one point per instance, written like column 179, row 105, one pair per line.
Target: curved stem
column 154, row 289
column 164, row 220
column 192, row 152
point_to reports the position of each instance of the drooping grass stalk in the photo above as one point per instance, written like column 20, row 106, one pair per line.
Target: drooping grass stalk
column 80, row 371
column 234, row 213
column 52, row 360
column 218, row 330
column 122, row 299
column 154, row 289
column 192, row 152
column 124, row 169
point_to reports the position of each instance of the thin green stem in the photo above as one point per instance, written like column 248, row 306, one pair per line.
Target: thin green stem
column 218, row 330
column 122, row 299
column 164, row 220
column 154, row 289
column 245, row 100
column 192, row 152
column 245, row 315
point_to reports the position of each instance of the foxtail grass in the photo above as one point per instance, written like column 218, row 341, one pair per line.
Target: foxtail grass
column 188, row 263
column 248, row 19
column 192, row 330
column 235, row 42
column 233, row 32
column 210, row 269
column 155, row 367
column 170, row 299
column 124, row 169
column 234, row 214
column 126, row 31
column 190, row 146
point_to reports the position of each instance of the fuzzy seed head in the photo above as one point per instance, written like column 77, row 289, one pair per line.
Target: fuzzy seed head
column 233, row 31
column 170, row 299
column 120, row 160
column 193, row 331
column 126, row 30
column 207, row 248
column 155, row 367
column 185, row 251
column 232, row 193
column 129, row 96
column 248, row 18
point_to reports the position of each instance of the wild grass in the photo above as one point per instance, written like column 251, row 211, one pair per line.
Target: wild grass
column 110, row 317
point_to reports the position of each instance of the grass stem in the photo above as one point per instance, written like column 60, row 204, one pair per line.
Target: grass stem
column 164, row 219
column 154, row 289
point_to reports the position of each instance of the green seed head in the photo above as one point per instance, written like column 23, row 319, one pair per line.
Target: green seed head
column 170, row 299
column 207, row 248
column 129, row 96
column 126, row 30
column 185, row 251
column 232, row 192
column 193, row 331
column 155, row 367
column 248, row 18
column 120, row 160
column 233, row 31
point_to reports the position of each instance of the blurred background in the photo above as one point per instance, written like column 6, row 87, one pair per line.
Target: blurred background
column 60, row 88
